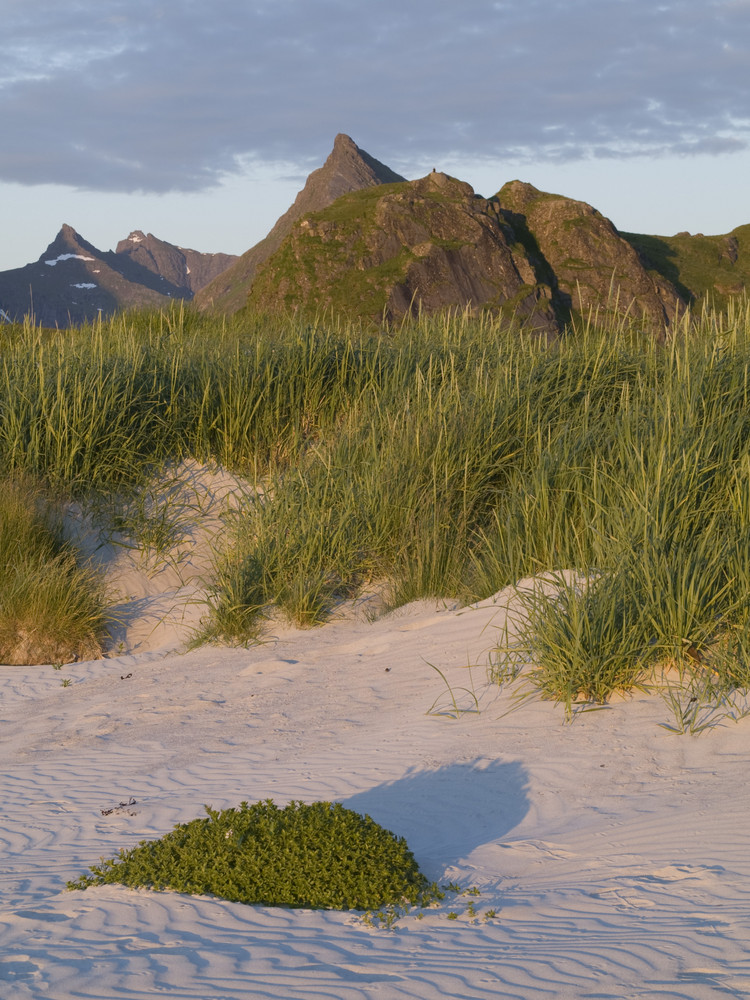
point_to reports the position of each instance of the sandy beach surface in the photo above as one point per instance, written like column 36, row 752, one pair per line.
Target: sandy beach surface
column 613, row 854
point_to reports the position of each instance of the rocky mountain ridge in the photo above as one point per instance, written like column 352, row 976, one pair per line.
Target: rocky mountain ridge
column 586, row 262
column 185, row 271
column 433, row 243
column 387, row 246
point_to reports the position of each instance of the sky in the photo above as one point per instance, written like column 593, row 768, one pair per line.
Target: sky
column 198, row 120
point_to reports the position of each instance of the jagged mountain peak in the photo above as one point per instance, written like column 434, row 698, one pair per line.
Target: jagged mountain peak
column 184, row 271
column 69, row 244
column 347, row 168
column 344, row 142
column 138, row 239
column 137, row 236
column 68, row 234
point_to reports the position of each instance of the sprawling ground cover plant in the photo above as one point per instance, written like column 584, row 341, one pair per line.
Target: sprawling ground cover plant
column 317, row 855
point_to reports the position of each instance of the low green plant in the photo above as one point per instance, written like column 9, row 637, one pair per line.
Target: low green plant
column 702, row 700
column 432, row 896
column 317, row 855
column 386, row 918
column 452, row 887
column 507, row 663
column 691, row 715
column 156, row 516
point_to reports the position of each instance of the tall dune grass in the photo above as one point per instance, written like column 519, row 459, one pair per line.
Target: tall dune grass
column 96, row 407
column 450, row 457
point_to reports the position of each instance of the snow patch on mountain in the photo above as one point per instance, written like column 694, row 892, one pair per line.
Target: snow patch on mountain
column 67, row 256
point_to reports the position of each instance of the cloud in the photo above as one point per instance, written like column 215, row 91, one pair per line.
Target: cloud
column 153, row 95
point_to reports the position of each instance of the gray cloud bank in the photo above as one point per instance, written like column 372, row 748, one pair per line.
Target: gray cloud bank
column 171, row 95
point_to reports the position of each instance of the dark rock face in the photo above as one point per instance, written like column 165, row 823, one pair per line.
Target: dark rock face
column 348, row 168
column 587, row 263
column 73, row 282
column 461, row 253
column 729, row 250
column 185, row 270
column 426, row 244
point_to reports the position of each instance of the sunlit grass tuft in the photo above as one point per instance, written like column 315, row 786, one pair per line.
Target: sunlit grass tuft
column 51, row 609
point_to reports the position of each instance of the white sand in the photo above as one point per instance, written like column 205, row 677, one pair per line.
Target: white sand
column 160, row 596
column 614, row 854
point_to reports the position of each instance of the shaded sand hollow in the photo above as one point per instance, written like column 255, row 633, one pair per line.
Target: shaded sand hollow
column 613, row 854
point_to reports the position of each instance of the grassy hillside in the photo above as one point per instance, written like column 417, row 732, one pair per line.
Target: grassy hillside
column 709, row 269
column 313, row 272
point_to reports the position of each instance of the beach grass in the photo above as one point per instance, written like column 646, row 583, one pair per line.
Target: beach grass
column 51, row 608
column 449, row 457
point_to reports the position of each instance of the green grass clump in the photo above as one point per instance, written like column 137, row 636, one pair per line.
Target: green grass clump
column 319, row 855
column 664, row 554
column 51, row 609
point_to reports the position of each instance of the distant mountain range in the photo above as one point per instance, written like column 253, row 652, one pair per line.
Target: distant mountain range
column 362, row 241
column 73, row 282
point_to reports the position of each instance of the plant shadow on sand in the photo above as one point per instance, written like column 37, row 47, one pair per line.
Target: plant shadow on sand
column 446, row 813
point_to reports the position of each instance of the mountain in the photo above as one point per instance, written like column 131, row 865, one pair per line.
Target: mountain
column 348, row 168
column 586, row 262
column 186, row 271
column 73, row 282
column 433, row 243
column 363, row 242
column 429, row 244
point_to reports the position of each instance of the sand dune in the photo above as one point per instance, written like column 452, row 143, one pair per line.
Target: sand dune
column 160, row 593
column 613, row 854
